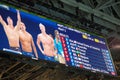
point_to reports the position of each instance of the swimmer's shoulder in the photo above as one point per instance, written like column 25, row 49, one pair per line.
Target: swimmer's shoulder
column 39, row 35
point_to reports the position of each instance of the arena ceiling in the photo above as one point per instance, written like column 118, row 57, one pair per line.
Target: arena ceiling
column 103, row 15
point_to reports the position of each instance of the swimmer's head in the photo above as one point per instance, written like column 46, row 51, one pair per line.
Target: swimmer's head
column 42, row 27
column 10, row 21
column 22, row 26
column 56, row 33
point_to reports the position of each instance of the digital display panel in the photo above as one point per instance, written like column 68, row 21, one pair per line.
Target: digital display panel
column 39, row 38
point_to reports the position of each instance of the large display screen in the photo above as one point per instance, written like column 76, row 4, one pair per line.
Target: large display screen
column 29, row 35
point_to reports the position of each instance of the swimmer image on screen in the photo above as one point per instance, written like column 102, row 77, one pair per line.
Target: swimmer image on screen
column 12, row 32
column 27, row 42
column 58, row 47
column 47, row 42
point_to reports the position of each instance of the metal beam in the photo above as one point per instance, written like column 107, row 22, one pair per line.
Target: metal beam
column 117, row 9
column 100, row 3
column 87, row 2
column 17, row 70
column 10, row 67
column 117, row 62
column 93, row 11
column 105, row 3
column 108, row 11
column 1, row 74
column 112, row 4
column 103, row 23
column 37, row 74
column 26, row 74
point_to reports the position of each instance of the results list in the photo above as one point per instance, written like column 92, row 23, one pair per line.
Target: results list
column 87, row 56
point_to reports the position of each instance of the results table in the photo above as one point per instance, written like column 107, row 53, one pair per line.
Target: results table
column 86, row 51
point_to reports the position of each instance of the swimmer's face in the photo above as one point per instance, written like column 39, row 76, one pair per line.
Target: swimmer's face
column 22, row 26
column 57, row 33
column 10, row 21
column 42, row 27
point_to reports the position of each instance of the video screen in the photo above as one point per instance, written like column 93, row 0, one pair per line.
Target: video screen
column 36, row 37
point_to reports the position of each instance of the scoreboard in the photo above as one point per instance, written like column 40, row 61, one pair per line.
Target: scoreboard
column 77, row 48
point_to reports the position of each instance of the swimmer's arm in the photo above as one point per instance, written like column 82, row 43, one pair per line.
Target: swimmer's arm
column 2, row 22
column 54, row 47
column 34, row 48
column 38, row 44
column 55, row 52
column 17, row 27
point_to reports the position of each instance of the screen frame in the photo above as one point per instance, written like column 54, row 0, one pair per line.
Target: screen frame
column 69, row 26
